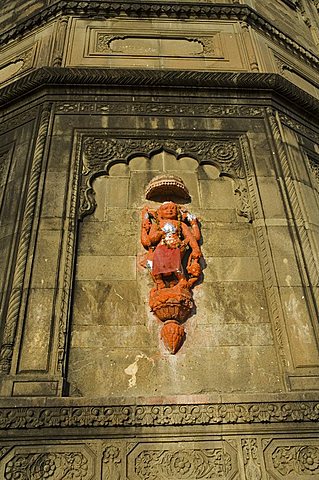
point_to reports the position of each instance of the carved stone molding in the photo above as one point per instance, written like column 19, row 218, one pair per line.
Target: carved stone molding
column 211, row 110
column 100, row 153
column 112, row 461
column 4, row 168
column 10, row 326
column 277, row 86
column 251, row 459
column 135, row 9
column 60, row 36
column 31, row 417
column 299, row 127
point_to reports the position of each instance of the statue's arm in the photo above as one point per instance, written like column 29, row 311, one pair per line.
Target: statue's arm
column 145, row 228
column 190, row 239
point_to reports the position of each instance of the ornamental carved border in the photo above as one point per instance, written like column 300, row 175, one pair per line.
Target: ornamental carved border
column 31, row 417
column 275, row 83
column 100, row 153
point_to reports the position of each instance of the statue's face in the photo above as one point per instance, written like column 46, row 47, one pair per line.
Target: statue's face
column 168, row 210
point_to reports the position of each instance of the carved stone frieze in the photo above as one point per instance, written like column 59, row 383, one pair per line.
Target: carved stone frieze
column 157, row 415
column 183, row 464
column 56, row 466
column 20, row 63
column 213, row 110
column 299, row 127
column 299, row 460
column 207, row 45
column 293, row 459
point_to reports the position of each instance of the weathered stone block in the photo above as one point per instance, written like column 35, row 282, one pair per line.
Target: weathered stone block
column 228, row 241
column 271, row 198
column 284, row 256
column 37, row 331
column 232, row 269
column 99, row 238
column 302, row 340
column 217, row 194
column 104, row 267
column 108, row 303
column 45, row 262
column 230, row 302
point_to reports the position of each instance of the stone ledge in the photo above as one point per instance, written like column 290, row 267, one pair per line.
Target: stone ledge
column 59, row 78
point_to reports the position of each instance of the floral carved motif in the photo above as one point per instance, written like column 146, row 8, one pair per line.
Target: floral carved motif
column 303, row 461
column 54, row 466
column 250, row 456
column 157, row 415
column 111, row 463
column 183, row 464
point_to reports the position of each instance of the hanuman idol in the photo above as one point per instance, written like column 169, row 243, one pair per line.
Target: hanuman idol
column 171, row 237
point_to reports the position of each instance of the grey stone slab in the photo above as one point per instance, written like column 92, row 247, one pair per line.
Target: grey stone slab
column 217, row 194
column 300, row 329
column 144, row 372
column 45, row 260
column 284, row 256
column 36, row 338
column 230, row 303
column 108, row 303
column 232, row 269
column 106, row 267
column 99, row 238
column 228, row 240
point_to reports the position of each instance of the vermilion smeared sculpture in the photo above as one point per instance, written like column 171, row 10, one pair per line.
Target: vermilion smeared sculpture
column 171, row 237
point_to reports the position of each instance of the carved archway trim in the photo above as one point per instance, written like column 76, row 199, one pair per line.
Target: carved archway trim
column 99, row 154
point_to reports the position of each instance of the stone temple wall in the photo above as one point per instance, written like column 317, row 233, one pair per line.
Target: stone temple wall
column 96, row 100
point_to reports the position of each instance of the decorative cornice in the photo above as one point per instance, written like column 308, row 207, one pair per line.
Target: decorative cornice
column 73, row 77
column 162, row 9
column 31, row 417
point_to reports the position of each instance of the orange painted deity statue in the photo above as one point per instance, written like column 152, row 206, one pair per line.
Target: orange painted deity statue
column 171, row 237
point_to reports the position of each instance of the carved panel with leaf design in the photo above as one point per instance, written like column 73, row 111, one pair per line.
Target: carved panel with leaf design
column 168, row 461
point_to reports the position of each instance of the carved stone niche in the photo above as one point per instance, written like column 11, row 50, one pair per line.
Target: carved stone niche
column 171, row 236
